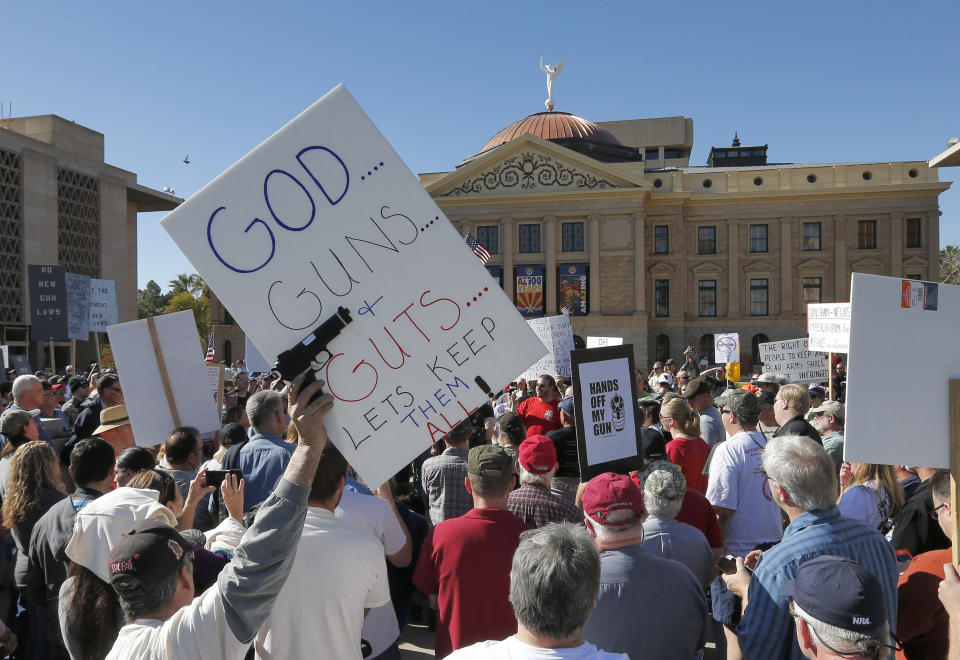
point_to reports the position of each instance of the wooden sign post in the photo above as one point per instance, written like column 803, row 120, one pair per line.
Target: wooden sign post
column 955, row 466
column 53, row 360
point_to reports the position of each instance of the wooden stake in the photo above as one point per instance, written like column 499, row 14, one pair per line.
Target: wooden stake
column 73, row 354
column 96, row 341
column 954, row 465
column 162, row 368
column 830, row 376
column 53, row 360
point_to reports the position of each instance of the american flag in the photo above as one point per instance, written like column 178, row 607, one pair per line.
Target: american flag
column 565, row 310
column 478, row 249
column 209, row 359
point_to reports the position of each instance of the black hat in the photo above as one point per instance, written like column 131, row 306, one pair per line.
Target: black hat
column 696, row 387
column 76, row 383
column 653, row 444
column 151, row 551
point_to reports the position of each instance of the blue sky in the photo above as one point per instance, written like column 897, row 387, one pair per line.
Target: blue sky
column 817, row 81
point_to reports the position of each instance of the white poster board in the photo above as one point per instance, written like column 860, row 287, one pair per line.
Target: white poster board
column 143, row 391
column 600, row 342
column 325, row 214
column 4, row 362
column 896, row 325
column 828, row 327
column 727, row 347
column 103, row 305
column 608, row 418
column 78, row 306
column 793, row 359
column 254, row 359
column 556, row 334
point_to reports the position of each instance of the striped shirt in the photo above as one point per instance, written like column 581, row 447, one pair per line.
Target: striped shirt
column 442, row 477
column 766, row 630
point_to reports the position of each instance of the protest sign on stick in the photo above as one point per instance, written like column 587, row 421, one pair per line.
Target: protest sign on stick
column 828, row 327
column 48, row 302
column 792, row 358
column 604, row 391
column 895, row 325
column 215, row 381
column 600, row 342
column 103, row 305
column 78, row 306
column 164, row 378
column 323, row 215
column 727, row 346
column 556, row 334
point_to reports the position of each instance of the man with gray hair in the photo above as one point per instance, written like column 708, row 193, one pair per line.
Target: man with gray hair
column 663, row 489
column 803, row 483
column 665, row 601
column 533, row 503
column 264, row 458
column 28, row 395
column 828, row 420
column 554, row 578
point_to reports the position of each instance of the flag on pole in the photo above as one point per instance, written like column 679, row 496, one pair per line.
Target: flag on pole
column 209, row 359
column 481, row 252
column 565, row 310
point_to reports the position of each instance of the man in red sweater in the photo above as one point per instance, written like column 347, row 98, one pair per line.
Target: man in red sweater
column 541, row 413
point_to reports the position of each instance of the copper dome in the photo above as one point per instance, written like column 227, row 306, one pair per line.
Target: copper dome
column 552, row 126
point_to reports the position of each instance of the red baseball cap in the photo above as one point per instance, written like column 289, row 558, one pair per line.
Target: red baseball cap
column 537, row 454
column 609, row 492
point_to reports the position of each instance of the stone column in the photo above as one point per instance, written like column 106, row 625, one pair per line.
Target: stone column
column 734, row 276
column 639, row 265
column 841, row 287
column 933, row 245
column 596, row 308
column 896, row 244
column 550, row 274
column 506, row 249
column 786, row 266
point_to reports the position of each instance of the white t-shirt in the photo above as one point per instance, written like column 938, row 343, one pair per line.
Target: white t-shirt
column 867, row 502
column 374, row 515
column 338, row 571
column 513, row 649
column 737, row 483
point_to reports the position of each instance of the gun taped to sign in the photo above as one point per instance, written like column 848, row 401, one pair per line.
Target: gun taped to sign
column 298, row 359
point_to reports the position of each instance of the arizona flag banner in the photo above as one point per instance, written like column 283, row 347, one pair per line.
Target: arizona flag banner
column 530, row 290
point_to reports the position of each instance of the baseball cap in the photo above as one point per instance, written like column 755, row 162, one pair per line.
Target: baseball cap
column 609, row 492
column 665, row 378
column 77, row 382
column 740, row 402
column 816, row 390
column 510, row 423
column 13, row 422
column 696, row 387
column 840, row 592
column 537, row 454
column 669, row 362
column 652, row 444
column 766, row 397
column 111, row 418
column 829, row 408
column 566, row 405
column 150, row 551
column 772, row 378
column 489, row 461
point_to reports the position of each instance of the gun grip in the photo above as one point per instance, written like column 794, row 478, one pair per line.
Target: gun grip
column 309, row 376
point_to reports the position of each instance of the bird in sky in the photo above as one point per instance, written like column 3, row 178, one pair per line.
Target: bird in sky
column 186, row 159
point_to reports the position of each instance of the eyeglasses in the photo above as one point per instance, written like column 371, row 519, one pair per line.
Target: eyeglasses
column 935, row 514
column 543, row 384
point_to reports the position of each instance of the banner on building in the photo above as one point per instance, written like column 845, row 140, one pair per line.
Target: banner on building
column 324, row 215
column 529, row 290
column 103, row 305
column 828, row 327
column 572, row 289
column 792, row 359
column 556, row 334
column 48, row 302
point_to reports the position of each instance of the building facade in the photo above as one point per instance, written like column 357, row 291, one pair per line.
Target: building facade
column 60, row 203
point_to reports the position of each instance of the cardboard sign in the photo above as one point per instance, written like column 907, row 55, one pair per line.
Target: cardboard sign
column 556, row 334
column 727, row 347
column 324, row 214
column 4, row 363
column 828, row 327
column 103, row 305
column 215, row 382
column 48, row 302
column 885, row 339
column 78, row 306
column 600, row 342
column 21, row 364
column 163, row 375
column 793, row 359
column 604, row 391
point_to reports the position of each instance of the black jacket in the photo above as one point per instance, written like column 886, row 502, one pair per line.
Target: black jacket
column 799, row 426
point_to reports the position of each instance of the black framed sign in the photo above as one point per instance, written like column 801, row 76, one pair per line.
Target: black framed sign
column 608, row 431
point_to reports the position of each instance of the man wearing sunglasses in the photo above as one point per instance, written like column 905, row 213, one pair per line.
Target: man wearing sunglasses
column 109, row 394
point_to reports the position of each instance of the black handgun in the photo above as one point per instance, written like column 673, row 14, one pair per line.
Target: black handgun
column 295, row 361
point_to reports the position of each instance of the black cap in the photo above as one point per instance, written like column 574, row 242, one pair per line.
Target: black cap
column 76, row 383
column 150, row 551
column 653, row 443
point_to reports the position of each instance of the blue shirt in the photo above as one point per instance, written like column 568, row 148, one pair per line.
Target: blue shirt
column 766, row 630
column 262, row 460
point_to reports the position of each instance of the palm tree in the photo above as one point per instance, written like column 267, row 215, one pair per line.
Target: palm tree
column 190, row 283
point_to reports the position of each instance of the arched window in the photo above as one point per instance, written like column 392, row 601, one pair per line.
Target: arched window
column 228, row 352
column 758, row 339
column 707, row 348
column 662, row 348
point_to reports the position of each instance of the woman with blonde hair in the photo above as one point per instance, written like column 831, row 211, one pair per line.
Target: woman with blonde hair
column 687, row 450
column 871, row 494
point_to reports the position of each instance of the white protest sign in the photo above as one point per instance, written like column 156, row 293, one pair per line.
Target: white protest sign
column 78, row 306
column 828, row 327
column 892, row 331
column 793, row 359
column 215, row 381
column 103, row 305
column 727, row 347
column 556, row 334
column 599, row 342
column 254, row 359
column 4, row 362
column 606, row 402
column 324, row 214
column 142, row 364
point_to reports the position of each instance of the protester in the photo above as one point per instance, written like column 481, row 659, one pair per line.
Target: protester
column 108, row 394
column 338, row 573
column 183, row 450
column 554, row 577
column 790, row 404
column 699, row 394
column 265, row 456
column 871, row 494
column 686, row 449
column 666, row 604
column 19, row 428
column 131, row 461
column 768, row 382
column 565, row 442
column 28, row 395
column 664, row 488
column 512, row 433
column 915, row 529
column 839, row 610
column 541, row 414
column 799, row 473
column 79, row 390
column 115, row 428
column 653, row 377
column 828, row 419
column 533, row 502
column 164, row 483
column 50, row 409
column 443, row 476
column 768, row 418
column 473, row 604
column 817, row 397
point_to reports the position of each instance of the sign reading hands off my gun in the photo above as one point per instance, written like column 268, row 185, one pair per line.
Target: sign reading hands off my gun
column 324, row 214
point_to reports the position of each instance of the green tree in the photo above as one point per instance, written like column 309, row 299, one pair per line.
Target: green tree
column 950, row 264
column 188, row 283
column 201, row 311
column 151, row 301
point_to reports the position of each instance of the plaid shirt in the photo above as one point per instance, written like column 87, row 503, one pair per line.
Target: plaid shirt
column 442, row 479
column 537, row 506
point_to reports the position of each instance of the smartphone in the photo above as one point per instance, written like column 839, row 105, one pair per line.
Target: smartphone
column 728, row 565
column 216, row 477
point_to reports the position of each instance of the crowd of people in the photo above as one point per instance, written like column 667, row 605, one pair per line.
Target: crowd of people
column 741, row 525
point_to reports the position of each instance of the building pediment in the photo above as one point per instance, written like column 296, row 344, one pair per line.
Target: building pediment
column 867, row 264
column 813, row 264
column 661, row 268
column 916, row 262
column 529, row 165
column 757, row 266
column 708, row 267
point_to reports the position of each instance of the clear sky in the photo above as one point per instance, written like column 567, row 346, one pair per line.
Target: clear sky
column 818, row 80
